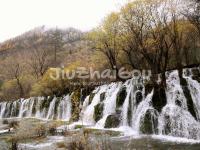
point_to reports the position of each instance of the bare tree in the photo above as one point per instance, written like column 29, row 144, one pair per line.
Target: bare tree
column 146, row 35
column 106, row 39
column 193, row 14
column 55, row 38
column 38, row 59
column 13, row 69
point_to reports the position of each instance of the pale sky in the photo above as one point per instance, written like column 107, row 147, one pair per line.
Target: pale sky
column 18, row 16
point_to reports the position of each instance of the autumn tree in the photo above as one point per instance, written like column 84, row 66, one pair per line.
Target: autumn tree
column 145, row 35
column 105, row 39
column 38, row 59
column 13, row 69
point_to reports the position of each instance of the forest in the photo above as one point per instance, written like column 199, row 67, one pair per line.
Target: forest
column 159, row 35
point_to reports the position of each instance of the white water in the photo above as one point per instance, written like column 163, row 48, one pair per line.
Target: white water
column 173, row 120
column 33, row 107
column 174, row 114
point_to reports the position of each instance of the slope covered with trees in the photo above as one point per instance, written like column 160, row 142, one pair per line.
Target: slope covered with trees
column 145, row 34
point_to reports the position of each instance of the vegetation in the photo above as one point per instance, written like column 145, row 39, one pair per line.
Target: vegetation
column 145, row 34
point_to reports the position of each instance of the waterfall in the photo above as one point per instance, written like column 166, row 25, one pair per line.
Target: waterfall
column 51, row 110
column 109, row 102
column 174, row 118
column 129, row 104
column 37, row 107
column 3, row 109
column 89, row 112
column 64, row 109
column 129, row 89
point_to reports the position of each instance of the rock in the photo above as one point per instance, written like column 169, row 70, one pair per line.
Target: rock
column 75, row 102
column 118, row 111
column 188, row 96
column 98, row 111
column 130, row 112
column 112, row 121
column 46, row 102
column 195, row 72
column 58, row 99
column 102, row 96
column 91, row 97
column 34, row 106
column 167, row 128
column 148, row 87
column 138, row 97
column 187, row 72
column 150, row 123
column 196, row 78
column 121, row 96
column 178, row 103
column 159, row 99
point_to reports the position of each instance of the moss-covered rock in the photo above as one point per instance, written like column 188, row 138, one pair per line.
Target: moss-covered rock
column 121, row 96
column 130, row 112
column 79, row 126
column 75, row 102
column 46, row 102
column 112, row 121
column 98, row 111
column 118, row 111
column 17, row 109
column 159, row 99
column 148, row 87
column 34, row 106
column 139, row 97
column 187, row 72
column 196, row 74
column 150, row 123
column 188, row 96
column 102, row 96
column 91, row 97
column 58, row 99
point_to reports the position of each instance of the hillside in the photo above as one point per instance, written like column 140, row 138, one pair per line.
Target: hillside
column 31, row 54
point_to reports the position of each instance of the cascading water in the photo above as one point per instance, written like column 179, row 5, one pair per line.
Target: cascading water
column 109, row 103
column 87, row 117
column 174, row 119
column 127, row 104
column 37, row 107
column 64, row 109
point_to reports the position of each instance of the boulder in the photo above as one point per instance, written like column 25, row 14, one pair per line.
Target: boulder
column 148, row 87
column 98, row 111
column 150, row 123
column 188, row 96
column 46, row 102
column 129, row 112
column 91, row 97
column 102, row 96
column 112, row 121
column 195, row 72
column 139, row 97
column 159, row 99
column 121, row 96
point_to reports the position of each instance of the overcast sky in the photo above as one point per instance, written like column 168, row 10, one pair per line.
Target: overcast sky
column 18, row 16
